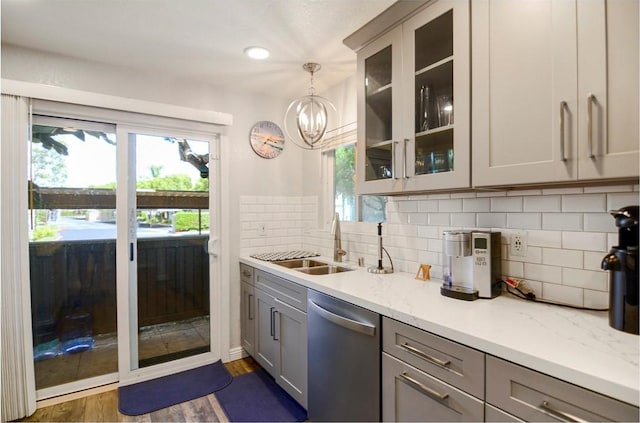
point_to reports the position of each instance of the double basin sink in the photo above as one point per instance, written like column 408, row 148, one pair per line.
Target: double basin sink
column 312, row 267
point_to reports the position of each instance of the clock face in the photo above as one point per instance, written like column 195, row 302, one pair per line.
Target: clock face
column 267, row 139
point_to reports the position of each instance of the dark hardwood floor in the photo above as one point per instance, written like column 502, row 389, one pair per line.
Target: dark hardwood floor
column 104, row 407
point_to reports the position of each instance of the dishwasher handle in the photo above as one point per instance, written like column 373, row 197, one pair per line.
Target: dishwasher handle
column 345, row 322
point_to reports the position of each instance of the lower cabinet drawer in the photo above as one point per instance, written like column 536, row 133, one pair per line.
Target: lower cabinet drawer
column 534, row 396
column 456, row 364
column 410, row 395
column 493, row 414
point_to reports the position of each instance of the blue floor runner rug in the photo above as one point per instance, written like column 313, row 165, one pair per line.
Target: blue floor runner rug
column 152, row 395
column 255, row 397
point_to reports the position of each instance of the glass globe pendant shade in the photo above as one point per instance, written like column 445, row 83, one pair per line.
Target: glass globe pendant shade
column 306, row 119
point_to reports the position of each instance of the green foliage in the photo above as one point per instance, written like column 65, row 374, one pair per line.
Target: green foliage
column 167, row 183
column 45, row 233
column 188, row 221
column 345, row 171
column 202, row 185
column 49, row 167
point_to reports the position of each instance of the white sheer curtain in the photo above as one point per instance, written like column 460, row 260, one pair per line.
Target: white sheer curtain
column 18, row 380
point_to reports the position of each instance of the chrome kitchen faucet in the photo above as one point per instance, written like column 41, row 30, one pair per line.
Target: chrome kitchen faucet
column 338, row 252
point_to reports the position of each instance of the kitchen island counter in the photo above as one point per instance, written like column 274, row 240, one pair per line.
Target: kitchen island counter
column 573, row 345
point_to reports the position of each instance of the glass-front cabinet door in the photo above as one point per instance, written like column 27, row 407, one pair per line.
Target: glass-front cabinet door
column 379, row 94
column 437, row 72
column 413, row 104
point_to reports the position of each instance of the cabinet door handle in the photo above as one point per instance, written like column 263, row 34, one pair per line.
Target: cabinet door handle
column 422, row 387
column 562, row 415
column 404, row 159
column 424, row 355
column 249, row 301
column 246, row 273
column 272, row 328
column 393, row 159
column 590, row 100
column 276, row 325
column 563, row 106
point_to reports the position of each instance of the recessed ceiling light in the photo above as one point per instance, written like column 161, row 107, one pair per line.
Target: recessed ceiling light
column 258, row 53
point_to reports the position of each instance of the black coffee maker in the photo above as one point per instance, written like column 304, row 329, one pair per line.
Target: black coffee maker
column 622, row 262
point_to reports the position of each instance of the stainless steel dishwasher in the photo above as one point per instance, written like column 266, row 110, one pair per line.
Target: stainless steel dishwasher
column 344, row 360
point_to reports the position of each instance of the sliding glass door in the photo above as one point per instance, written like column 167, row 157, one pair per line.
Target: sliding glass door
column 121, row 252
column 72, row 253
column 169, row 221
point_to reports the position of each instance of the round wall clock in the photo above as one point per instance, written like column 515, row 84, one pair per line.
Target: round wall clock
column 266, row 139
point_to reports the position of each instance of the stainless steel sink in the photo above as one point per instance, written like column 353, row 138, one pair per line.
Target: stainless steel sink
column 312, row 267
column 324, row 270
column 298, row 263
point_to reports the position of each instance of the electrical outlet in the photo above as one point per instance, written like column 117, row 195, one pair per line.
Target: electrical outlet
column 518, row 245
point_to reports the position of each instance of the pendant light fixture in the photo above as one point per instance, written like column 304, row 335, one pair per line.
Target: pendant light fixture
column 306, row 119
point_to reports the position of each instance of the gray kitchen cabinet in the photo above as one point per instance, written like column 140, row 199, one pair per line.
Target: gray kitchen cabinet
column 533, row 396
column 247, row 309
column 493, row 414
column 429, row 378
column 413, row 81
column 281, row 333
column 555, row 91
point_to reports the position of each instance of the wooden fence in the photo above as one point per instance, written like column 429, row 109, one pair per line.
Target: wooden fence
column 75, row 281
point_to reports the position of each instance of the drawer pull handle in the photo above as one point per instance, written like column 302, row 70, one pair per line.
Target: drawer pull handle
column 563, row 107
column 426, row 356
column 590, row 100
column 422, row 388
column 562, row 415
column 249, row 302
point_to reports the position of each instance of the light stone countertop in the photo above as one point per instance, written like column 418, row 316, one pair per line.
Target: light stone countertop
column 573, row 345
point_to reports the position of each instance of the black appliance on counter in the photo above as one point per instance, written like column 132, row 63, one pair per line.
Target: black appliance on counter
column 622, row 262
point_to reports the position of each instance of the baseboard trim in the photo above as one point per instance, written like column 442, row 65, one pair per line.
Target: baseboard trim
column 237, row 353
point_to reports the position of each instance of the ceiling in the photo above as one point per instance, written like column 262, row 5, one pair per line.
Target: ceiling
column 199, row 40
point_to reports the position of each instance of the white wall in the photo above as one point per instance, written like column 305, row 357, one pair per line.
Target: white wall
column 248, row 174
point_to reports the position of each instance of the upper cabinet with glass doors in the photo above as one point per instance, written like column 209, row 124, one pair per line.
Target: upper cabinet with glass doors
column 413, row 103
column 555, row 91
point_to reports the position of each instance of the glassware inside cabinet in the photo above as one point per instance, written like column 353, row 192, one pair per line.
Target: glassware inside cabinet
column 378, row 115
column 433, row 94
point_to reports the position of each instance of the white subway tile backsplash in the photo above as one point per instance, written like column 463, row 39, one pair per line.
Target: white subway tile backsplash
column 477, row 205
column 608, row 189
column 408, row 206
column 563, row 258
column 599, row 222
column 590, row 241
column 491, row 220
column 450, row 206
column 589, row 279
column 596, row 299
column 562, row 221
column 568, row 232
column 555, row 191
column 616, row 201
column 507, row 204
column 584, row 203
column 439, row 219
column 464, row 220
column 551, row 239
column 543, row 273
column 562, row 294
column 547, row 203
column 593, row 260
column 428, row 206
column 524, row 220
